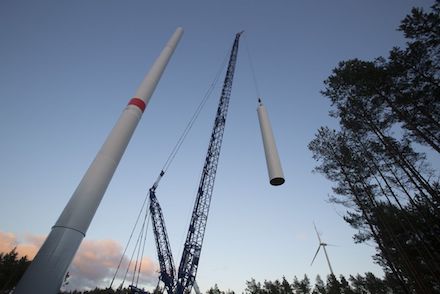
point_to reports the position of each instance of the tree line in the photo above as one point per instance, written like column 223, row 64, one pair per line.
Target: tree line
column 13, row 267
column 388, row 111
column 358, row 284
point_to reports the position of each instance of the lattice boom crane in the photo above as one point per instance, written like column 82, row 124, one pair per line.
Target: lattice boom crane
column 194, row 240
column 165, row 256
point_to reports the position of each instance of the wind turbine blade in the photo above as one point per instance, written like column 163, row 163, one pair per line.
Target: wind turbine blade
column 317, row 234
column 315, row 254
column 326, row 244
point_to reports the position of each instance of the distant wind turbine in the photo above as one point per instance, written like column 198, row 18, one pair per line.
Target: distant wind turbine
column 323, row 244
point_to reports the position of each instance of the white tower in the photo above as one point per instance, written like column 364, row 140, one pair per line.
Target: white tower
column 47, row 270
column 276, row 176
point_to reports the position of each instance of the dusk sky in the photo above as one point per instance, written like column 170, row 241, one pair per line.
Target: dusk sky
column 67, row 70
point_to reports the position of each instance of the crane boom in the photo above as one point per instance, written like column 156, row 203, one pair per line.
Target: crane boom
column 166, row 261
column 193, row 244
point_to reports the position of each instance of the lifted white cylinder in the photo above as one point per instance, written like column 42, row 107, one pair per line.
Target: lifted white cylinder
column 276, row 176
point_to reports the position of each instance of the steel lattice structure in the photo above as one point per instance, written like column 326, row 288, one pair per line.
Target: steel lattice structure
column 166, row 261
column 194, row 240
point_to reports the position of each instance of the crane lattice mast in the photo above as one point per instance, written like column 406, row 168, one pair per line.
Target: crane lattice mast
column 193, row 244
column 165, row 256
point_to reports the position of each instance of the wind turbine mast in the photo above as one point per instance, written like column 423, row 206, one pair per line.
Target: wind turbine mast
column 328, row 260
column 46, row 272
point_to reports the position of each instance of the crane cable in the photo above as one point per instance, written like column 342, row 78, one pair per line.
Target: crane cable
column 142, row 254
column 165, row 167
column 143, row 234
column 138, row 241
column 257, row 91
column 193, row 118
column 128, row 242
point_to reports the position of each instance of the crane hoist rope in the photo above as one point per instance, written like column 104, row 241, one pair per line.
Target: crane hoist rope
column 251, row 64
column 193, row 118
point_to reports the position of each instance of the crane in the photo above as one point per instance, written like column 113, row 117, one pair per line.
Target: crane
column 165, row 256
column 185, row 280
column 194, row 240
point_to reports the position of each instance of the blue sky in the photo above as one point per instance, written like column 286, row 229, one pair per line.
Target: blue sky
column 68, row 68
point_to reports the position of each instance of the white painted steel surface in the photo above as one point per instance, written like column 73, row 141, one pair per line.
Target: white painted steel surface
column 150, row 81
column 276, row 176
column 46, row 272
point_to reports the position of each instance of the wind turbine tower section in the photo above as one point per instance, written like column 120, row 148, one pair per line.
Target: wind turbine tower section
column 276, row 175
column 47, row 270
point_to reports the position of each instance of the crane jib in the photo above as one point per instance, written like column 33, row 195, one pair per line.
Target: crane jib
column 193, row 244
column 186, row 274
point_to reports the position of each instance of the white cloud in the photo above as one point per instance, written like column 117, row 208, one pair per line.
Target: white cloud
column 94, row 264
column 301, row 236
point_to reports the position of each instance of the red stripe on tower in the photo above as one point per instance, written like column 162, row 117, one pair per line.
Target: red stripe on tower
column 137, row 102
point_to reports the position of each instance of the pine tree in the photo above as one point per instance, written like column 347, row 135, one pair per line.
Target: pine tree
column 303, row 286
column 319, row 286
